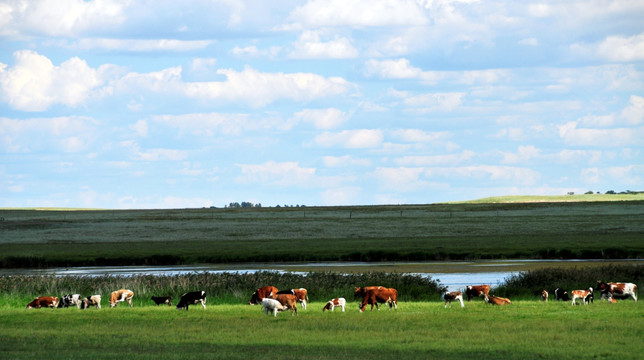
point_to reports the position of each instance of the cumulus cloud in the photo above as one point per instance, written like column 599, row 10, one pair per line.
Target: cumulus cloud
column 277, row 173
column 351, row 139
column 67, row 134
column 322, row 118
column 310, row 45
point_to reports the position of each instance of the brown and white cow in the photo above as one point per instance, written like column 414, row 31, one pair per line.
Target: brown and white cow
column 476, row 291
column 341, row 302
column 544, row 295
column 581, row 294
column 613, row 290
column 300, row 294
column 379, row 294
column 93, row 300
column 120, row 296
column 497, row 300
column 261, row 293
column 452, row 296
column 43, row 301
column 288, row 300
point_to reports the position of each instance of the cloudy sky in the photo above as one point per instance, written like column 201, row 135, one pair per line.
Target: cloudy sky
column 172, row 104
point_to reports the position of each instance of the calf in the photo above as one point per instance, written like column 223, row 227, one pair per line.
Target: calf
column 341, row 302
column 497, row 300
column 300, row 294
column 476, row 291
column 120, row 296
column 271, row 305
column 43, row 301
column 191, row 298
column 162, row 300
column 581, row 294
column 544, row 295
column 70, row 300
column 614, row 290
column 93, row 300
column 451, row 296
column 288, row 300
column 561, row 294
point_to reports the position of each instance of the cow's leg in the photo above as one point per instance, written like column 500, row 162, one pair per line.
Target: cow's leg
column 203, row 303
column 461, row 300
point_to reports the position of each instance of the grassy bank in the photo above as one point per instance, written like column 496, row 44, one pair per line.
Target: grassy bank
column 597, row 230
column 523, row 330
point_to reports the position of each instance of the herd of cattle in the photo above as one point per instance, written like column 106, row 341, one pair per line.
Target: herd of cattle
column 274, row 301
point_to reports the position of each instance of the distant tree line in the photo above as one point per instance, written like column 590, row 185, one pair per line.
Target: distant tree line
column 243, row 205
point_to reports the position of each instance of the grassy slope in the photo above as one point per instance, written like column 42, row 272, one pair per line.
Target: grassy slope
column 523, row 330
column 374, row 233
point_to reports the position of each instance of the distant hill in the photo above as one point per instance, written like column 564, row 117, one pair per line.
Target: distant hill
column 632, row 196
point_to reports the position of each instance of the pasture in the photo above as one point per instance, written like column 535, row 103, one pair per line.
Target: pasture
column 591, row 230
column 526, row 329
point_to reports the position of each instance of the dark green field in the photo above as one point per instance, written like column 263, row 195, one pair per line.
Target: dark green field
column 591, row 230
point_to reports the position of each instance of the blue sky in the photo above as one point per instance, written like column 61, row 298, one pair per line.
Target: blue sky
column 167, row 104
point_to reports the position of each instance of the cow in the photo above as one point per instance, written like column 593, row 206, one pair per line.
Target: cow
column 92, row 300
column 561, row 294
column 497, row 300
column 476, row 291
column 162, row 300
column 381, row 295
column 288, row 300
column 43, row 301
column 341, row 302
column 272, row 306
column 191, row 298
column 261, row 293
column 70, row 300
column 614, row 290
column 581, row 294
column 452, row 296
column 361, row 292
column 544, row 295
column 590, row 298
column 300, row 294
column 120, row 296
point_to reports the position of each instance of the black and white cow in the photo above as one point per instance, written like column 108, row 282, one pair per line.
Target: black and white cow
column 191, row 298
column 561, row 294
column 92, row 300
column 70, row 300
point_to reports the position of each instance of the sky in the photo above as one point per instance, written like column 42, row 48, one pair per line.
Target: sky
column 125, row 104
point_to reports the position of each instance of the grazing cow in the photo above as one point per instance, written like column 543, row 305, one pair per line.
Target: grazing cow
column 272, row 306
column 120, row 296
column 476, row 291
column 43, row 301
column 191, row 298
column 70, row 300
column 381, row 295
column 614, row 290
column 561, row 294
column 361, row 292
column 451, row 296
column 261, row 293
column 544, row 295
column 289, row 301
column 341, row 302
column 300, row 294
column 581, row 294
column 497, row 300
column 162, row 300
column 93, row 300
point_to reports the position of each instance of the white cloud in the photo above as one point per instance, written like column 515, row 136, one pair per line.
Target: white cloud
column 633, row 114
column 344, row 161
column 138, row 45
column 432, row 160
column 34, row 83
column 311, row 46
column 521, row 175
column 351, row 139
column 622, row 49
column 417, row 135
column 574, row 135
column 322, row 118
column 522, row 155
column 277, row 174
column 425, row 103
column 207, row 124
column 67, row 134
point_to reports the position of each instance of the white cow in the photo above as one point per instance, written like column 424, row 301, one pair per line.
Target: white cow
column 272, row 305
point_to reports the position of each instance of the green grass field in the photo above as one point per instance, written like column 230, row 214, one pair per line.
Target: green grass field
column 44, row 238
column 418, row 330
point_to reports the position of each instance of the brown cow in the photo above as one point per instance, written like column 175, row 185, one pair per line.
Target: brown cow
column 496, row 300
column 288, row 300
column 544, row 295
column 43, row 301
column 300, row 294
column 476, row 291
column 377, row 295
column 120, row 296
column 261, row 293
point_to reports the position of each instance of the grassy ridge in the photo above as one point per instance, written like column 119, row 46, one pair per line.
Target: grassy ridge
column 419, row 232
column 523, row 330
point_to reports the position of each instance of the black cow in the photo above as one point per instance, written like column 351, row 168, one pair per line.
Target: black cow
column 162, row 300
column 191, row 298
column 561, row 294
